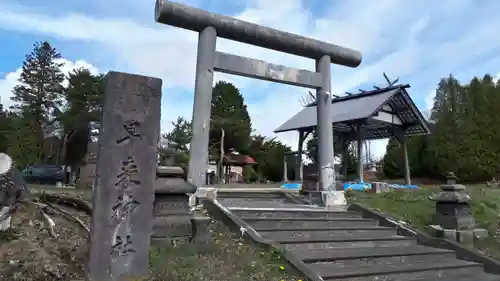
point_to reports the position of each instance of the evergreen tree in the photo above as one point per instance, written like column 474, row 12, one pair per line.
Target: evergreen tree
column 84, row 97
column 38, row 92
column 181, row 136
column 229, row 112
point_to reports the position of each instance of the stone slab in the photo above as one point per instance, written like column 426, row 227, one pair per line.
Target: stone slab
column 327, row 235
column 393, row 254
column 176, row 204
column 481, row 234
column 280, row 223
column 170, row 171
column 406, row 271
column 296, row 214
column 124, row 184
column 172, row 226
column 400, row 241
column 173, row 186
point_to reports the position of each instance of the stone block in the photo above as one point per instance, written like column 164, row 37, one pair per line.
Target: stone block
column 172, row 185
column 480, row 234
column 454, row 215
column 171, row 204
column 450, row 234
column 380, row 187
column 435, row 231
column 201, row 229
column 170, row 172
column 465, row 237
column 333, row 198
column 172, row 227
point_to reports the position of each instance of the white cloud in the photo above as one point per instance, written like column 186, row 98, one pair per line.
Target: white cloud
column 6, row 84
column 388, row 32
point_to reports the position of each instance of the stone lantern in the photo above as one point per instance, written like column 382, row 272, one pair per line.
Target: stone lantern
column 173, row 219
column 453, row 219
column 452, row 205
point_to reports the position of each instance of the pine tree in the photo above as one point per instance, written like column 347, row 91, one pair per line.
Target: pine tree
column 229, row 112
column 39, row 90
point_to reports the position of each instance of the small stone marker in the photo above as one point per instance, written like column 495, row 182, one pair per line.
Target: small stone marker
column 380, row 187
column 125, row 173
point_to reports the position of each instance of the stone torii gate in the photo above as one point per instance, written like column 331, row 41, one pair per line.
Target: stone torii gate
column 210, row 26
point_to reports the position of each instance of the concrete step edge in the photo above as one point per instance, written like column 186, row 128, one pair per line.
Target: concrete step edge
column 312, row 210
column 358, row 253
column 342, row 228
column 327, row 240
column 335, row 273
column 308, row 219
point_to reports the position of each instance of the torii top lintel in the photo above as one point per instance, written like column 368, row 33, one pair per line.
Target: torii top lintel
column 194, row 19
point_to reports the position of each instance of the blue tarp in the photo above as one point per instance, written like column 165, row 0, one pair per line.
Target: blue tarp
column 291, row 186
column 363, row 186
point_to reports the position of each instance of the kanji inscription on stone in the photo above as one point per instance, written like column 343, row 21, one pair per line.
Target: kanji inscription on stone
column 124, row 185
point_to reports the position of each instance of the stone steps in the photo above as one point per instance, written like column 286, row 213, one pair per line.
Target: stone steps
column 341, row 245
column 303, row 213
column 269, row 224
column 396, row 272
column 464, row 277
column 334, row 235
column 408, row 253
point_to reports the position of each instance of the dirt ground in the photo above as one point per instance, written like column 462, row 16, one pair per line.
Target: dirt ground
column 29, row 253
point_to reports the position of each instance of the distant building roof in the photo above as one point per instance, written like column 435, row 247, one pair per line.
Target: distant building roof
column 238, row 160
column 370, row 107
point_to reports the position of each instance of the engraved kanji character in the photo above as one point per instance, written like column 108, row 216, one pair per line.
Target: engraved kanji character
column 130, row 127
column 128, row 170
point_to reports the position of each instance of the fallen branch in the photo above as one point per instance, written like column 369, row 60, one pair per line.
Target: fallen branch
column 68, row 201
column 49, row 223
column 68, row 215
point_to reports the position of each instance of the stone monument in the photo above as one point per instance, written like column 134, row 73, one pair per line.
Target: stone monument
column 125, row 174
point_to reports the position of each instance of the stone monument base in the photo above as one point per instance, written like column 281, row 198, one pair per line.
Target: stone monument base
column 465, row 237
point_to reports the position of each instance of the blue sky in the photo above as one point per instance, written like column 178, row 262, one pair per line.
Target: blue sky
column 417, row 41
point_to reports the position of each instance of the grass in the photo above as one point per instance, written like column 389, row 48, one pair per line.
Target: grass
column 416, row 208
column 228, row 257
